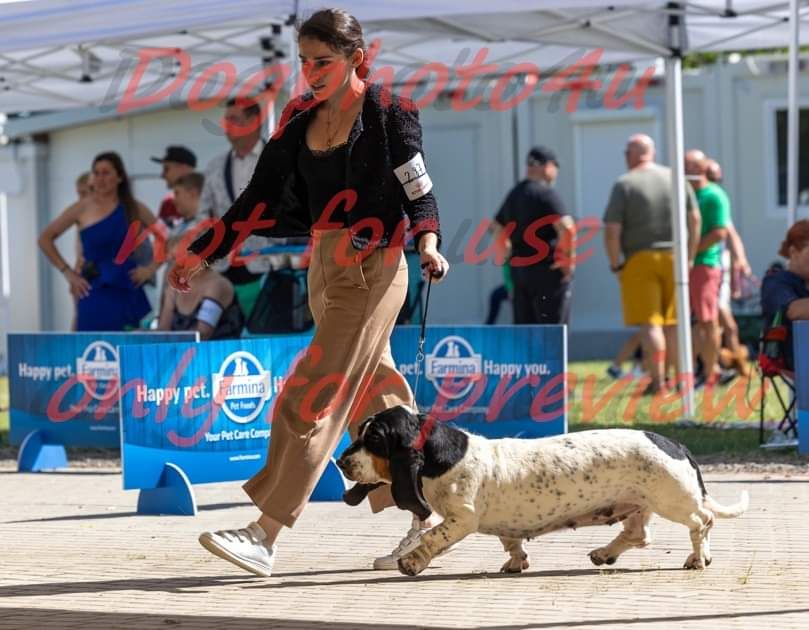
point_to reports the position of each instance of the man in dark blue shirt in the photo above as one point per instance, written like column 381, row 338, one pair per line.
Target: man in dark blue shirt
column 787, row 292
column 779, row 292
column 541, row 236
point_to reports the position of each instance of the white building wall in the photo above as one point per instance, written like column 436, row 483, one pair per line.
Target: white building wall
column 471, row 157
column 750, row 149
column 25, row 305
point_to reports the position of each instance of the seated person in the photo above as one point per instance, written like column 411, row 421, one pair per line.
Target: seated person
column 785, row 294
column 211, row 306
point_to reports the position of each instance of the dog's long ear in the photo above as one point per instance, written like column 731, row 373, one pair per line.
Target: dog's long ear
column 357, row 493
column 406, row 488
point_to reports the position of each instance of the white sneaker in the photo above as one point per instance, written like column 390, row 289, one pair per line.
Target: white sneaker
column 407, row 544
column 243, row 547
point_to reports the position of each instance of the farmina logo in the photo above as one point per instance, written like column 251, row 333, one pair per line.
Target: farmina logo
column 97, row 370
column 453, row 359
column 242, row 386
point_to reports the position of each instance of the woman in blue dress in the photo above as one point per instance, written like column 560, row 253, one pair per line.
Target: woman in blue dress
column 109, row 293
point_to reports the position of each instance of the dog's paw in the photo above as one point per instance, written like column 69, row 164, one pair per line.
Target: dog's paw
column 515, row 565
column 601, row 556
column 414, row 562
column 695, row 562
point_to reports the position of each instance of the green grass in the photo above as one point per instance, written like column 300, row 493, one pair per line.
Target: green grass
column 597, row 401
column 706, row 441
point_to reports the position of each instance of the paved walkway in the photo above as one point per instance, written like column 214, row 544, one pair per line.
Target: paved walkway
column 74, row 555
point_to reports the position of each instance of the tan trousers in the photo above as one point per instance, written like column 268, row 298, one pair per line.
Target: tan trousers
column 346, row 374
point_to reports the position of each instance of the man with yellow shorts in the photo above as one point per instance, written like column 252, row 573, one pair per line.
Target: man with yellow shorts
column 638, row 239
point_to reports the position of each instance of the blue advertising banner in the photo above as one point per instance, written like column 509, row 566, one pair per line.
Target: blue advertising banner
column 494, row 380
column 203, row 407
column 497, row 381
column 66, row 384
column 800, row 334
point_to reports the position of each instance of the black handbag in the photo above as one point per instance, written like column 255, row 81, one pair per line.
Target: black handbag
column 282, row 305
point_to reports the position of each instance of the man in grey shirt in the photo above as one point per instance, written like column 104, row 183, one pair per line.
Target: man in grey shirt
column 638, row 238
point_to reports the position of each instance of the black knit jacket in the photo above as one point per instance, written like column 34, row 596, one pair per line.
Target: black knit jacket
column 385, row 136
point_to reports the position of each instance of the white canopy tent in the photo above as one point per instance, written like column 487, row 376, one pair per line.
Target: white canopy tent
column 61, row 53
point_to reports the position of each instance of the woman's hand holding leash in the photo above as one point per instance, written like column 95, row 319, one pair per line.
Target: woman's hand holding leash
column 433, row 264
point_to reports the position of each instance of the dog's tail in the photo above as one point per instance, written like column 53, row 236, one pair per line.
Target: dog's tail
column 729, row 511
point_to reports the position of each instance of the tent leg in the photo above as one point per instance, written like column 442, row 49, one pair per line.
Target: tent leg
column 792, row 114
column 674, row 122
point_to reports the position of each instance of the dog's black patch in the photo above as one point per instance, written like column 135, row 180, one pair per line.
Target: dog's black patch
column 670, row 448
column 445, row 447
column 675, row 450
column 415, row 446
column 353, row 448
column 357, row 493
column 699, row 474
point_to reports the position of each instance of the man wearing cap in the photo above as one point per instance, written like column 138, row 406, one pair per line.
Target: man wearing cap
column 533, row 213
column 177, row 161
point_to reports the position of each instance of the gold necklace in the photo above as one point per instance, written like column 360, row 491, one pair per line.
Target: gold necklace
column 331, row 136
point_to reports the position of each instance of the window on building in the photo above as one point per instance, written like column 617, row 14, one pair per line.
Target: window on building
column 803, row 155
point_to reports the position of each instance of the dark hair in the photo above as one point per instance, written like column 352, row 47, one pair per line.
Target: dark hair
column 249, row 106
column 339, row 30
column 124, row 187
column 191, row 181
column 797, row 237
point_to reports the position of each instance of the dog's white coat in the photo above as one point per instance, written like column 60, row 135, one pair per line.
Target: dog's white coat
column 518, row 489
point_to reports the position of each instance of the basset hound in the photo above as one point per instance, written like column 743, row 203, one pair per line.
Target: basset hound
column 518, row 489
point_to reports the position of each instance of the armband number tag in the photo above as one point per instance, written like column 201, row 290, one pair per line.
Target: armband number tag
column 413, row 177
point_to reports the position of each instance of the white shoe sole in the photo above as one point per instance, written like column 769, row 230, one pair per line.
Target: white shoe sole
column 386, row 563
column 389, row 563
column 207, row 541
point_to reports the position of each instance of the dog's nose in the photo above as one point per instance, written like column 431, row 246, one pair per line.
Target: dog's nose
column 341, row 464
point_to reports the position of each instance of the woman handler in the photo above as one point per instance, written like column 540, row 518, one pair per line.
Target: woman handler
column 345, row 166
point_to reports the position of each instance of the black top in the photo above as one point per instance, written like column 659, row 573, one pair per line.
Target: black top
column 230, row 323
column 533, row 207
column 324, row 173
column 385, row 136
column 778, row 291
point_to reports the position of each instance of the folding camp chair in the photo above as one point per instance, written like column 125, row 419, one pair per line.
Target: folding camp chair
column 772, row 368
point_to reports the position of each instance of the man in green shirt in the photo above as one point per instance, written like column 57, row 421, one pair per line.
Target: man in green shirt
column 706, row 274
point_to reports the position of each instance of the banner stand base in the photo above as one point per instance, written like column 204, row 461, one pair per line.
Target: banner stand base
column 39, row 452
column 331, row 485
column 173, row 494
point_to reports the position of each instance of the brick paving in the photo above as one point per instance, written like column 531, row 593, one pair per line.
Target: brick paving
column 73, row 554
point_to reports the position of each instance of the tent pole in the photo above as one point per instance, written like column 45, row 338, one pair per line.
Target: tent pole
column 674, row 123
column 792, row 114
